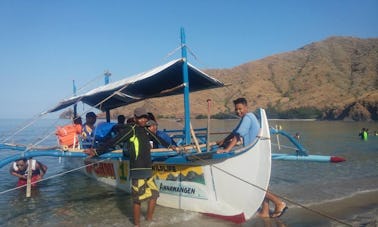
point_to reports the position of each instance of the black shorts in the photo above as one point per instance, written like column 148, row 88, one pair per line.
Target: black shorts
column 143, row 189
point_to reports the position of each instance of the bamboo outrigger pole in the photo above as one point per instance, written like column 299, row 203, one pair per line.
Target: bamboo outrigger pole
column 28, row 179
column 278, row 139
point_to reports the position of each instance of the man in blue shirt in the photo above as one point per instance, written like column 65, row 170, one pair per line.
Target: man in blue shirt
column 246, row 131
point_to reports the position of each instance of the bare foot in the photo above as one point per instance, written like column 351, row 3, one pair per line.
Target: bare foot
column 279, row 210
column 280, row 207
column 261, row 215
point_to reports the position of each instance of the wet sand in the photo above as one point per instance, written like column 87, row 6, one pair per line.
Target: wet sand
column 358, row 210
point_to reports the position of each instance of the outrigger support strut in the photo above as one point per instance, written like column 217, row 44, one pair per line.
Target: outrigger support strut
column 300, row 149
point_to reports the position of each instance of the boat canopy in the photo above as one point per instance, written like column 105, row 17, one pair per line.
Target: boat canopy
column 165, row 80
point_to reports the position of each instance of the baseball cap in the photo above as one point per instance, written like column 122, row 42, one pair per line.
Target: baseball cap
column 140, row 111
column 151, row 122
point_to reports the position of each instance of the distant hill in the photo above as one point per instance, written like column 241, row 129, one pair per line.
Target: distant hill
column 334, row 79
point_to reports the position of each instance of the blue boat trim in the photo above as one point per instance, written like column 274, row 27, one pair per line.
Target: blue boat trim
column 300, row 149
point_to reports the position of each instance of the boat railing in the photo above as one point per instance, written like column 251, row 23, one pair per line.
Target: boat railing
column 179, row 135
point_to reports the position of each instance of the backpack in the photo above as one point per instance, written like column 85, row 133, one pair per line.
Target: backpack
column 103, row 131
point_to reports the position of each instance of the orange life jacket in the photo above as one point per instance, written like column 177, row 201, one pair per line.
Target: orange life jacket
column 68, row 135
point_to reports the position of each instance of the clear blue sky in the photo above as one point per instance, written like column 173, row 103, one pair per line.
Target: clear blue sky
column 45, row 44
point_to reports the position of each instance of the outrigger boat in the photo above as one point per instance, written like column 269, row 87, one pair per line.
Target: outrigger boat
column 230, row 186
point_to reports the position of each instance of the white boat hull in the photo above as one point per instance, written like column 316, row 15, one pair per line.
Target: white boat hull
column 231, row 188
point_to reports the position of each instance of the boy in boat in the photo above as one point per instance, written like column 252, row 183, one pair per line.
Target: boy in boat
column 19, row 169
column 246, row 131
column 136, row 139
column 153, row 127
column 120, row 123
column 87, row 135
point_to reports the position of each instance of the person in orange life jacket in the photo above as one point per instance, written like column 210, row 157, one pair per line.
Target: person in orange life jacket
column 88, row 137
column 136, row 140
column 19, row 169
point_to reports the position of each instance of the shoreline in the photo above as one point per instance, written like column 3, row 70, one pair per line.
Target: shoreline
column 359, row 209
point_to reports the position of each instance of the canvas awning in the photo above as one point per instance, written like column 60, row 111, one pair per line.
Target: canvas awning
column 165, row 80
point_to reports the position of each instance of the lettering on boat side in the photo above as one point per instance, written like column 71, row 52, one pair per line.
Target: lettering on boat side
column 100, row 169
column 184, row 189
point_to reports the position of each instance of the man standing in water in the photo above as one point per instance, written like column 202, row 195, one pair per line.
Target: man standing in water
column 364, row 134
column 137, row 148
column 20, row 168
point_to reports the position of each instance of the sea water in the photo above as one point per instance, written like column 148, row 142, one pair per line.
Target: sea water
column 317, row 194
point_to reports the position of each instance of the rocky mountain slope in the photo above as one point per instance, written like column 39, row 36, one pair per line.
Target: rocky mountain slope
column 337, row 77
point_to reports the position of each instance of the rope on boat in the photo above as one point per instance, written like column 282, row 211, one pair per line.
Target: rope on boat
column 49, row 134
column 56, row 175
column 40, row 115
column 38, row 141
column 89, row 82
column 179, row 48
column 32, row 121
column 286, row 199
column 203, row 160
column 172, row 52
column 280, row 196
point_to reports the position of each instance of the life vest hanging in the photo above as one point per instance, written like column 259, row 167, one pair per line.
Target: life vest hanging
column 68, row 135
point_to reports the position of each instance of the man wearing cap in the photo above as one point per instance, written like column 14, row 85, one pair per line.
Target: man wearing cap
column 153, row 127
column 135, row 138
